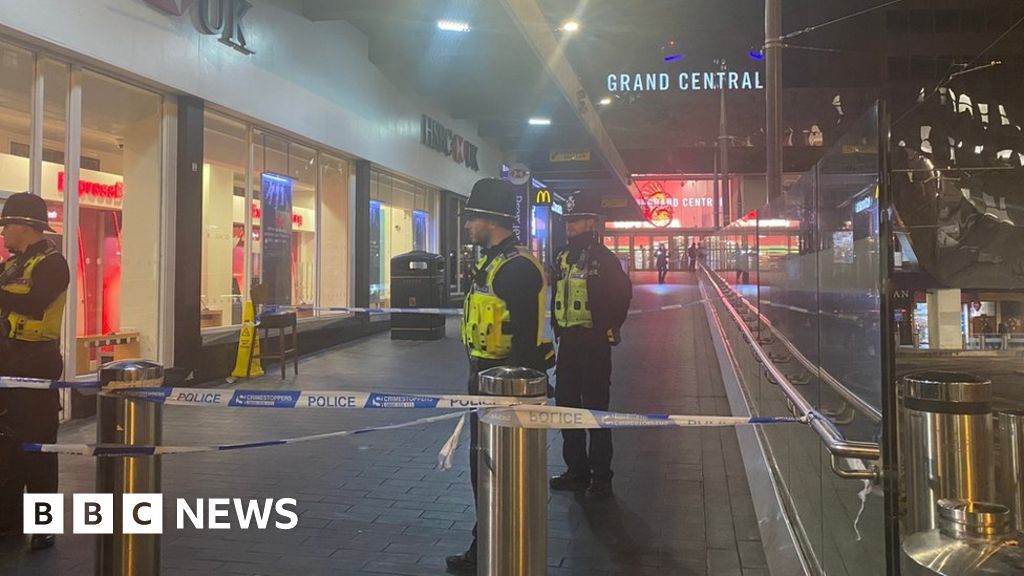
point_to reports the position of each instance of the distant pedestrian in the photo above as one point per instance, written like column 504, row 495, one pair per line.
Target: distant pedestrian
column 661, row 260
column 1004, row 335
column 742, row 267
column 702, row 254
column 691, row 257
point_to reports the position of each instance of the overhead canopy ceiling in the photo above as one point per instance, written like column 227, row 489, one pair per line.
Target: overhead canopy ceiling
column 489, row 75
column 496, row 74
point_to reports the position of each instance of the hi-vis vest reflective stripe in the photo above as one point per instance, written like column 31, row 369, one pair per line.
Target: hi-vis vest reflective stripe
column 572, row 306
column 31, row 329
column 486, row 332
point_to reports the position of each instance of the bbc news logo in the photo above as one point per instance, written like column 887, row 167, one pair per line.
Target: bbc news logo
column 144, row 514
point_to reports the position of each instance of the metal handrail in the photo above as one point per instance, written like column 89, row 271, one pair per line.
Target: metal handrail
column 834, row 441
column 857, row 402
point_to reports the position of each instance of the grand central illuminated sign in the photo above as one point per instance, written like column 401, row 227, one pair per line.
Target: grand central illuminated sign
column 684, row 81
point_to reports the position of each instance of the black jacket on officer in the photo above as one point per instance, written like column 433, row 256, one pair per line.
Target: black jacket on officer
column 33, row 284
column 589, row 304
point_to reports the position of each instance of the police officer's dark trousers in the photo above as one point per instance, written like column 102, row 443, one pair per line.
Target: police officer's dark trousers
column 33, row 416
column 583, row 381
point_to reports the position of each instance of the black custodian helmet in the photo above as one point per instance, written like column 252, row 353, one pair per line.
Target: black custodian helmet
column 491, row 198
column 25, row 208
column 578, row 207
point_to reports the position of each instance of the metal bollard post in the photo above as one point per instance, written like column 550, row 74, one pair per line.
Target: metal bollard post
column 1011, row 449
column 121, row 420
column 513, row 494
column 946, row 443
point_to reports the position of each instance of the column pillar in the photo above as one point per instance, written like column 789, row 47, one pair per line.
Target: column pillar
column 361, row 222
column 944, row 331
column 188, row 240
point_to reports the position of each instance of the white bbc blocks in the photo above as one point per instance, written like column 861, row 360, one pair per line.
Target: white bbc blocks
column 43, row 514
column 93, row 514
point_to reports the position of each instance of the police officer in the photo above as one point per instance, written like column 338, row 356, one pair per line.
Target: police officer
column 502, row 322
column 33, row 285
column 590, row 303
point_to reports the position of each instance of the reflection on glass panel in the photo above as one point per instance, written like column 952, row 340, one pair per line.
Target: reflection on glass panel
column 419, row 225
column 223, row 261
column 119, row 212
column 959, row 285
column 273, row 194
column 809, row 262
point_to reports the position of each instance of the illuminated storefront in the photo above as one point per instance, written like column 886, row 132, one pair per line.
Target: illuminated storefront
column 191, row 191
column 677, row 212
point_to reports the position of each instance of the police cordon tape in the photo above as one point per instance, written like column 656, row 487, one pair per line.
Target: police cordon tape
column 324, row 399
column 557, row 417
column 270, row 309
column 41, row 384
column 521, row 416
column 121, row 450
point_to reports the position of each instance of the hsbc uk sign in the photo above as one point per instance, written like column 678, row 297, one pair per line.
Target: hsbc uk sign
column 436, row 136
column 213, row 17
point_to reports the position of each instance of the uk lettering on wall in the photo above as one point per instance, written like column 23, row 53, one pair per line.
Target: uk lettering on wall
column 437, row 136
column 212, row 17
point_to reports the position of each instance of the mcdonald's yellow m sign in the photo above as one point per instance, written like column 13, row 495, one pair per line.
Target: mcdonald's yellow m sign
column 542, row 197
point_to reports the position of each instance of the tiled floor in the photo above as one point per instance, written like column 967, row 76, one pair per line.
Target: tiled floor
column 376, row 504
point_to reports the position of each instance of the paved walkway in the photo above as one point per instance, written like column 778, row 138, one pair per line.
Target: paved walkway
column 375, row 504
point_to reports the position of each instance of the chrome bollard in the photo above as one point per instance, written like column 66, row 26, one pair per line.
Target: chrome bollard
column 946, row 443
column 513, row 494
column 1011, row 450
column 972, row 539
column 126, row 421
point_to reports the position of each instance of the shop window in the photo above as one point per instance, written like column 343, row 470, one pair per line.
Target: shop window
column 224, row 243
column 393, row 230
column 119, row 222
column 15, row 113
column 334, row 229
column 302, row 171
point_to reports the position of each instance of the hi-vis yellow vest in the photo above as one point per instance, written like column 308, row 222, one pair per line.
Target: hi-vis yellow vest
column 485, row 317
column 31, row 329
column 572, row 306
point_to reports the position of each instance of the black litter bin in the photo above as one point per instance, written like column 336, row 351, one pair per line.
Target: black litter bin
column 418, row 281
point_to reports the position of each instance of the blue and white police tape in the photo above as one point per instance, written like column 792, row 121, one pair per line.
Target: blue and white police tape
column 41, row 384
column 436, row 311
column 269, row 309
column 555, row 417
column 121, row 450
column 325, row 399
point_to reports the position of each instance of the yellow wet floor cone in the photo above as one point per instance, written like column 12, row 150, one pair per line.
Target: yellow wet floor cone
column 248, row 346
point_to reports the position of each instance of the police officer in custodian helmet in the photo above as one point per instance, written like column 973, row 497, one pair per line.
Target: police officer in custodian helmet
column 33, row 285
column 590, row 303
column 502, row 322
